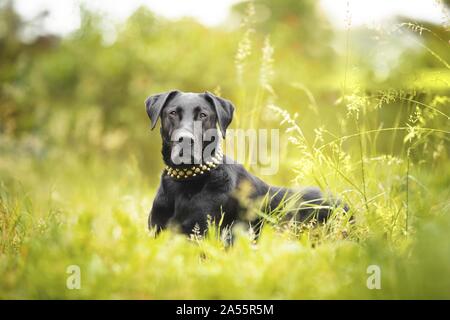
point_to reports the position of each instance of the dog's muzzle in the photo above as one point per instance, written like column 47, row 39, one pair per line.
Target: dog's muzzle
column 186, row 148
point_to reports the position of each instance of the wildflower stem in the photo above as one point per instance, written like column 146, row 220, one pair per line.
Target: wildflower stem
column 363, row 173
column 407, row 188
column 433, row 130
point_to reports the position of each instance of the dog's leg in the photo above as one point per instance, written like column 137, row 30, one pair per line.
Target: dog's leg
column 307, row 204
column 161, row 212
column 314, row 204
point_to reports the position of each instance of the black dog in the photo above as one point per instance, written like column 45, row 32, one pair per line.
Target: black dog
column 199, row 183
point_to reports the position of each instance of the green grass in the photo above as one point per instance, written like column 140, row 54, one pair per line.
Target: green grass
column 65, row 210
column 79, row 169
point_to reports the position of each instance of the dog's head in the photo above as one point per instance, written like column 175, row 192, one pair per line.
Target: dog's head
column 189, row 124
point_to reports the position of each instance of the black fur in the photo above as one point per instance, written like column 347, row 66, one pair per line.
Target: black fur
column 187, row 204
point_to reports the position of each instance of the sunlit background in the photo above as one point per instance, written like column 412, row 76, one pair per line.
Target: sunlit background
column 358, row 89
column 64, row 16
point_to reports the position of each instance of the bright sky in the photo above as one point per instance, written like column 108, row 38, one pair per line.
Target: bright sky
column 64, row 15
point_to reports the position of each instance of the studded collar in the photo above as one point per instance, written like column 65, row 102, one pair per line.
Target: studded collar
column 195, row 171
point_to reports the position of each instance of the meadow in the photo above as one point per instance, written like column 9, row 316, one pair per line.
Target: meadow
column 79, row 166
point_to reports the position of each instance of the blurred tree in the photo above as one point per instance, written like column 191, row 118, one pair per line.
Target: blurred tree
column 10, row 49
column 300, row 24
column 16, row 58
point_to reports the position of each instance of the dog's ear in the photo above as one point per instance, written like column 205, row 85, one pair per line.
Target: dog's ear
column 155, row 103
column 224, row 110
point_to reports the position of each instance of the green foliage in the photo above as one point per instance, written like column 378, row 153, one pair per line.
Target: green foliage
column 79, row 166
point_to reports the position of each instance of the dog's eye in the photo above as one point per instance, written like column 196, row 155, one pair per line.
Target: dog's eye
column 173, row 113
column 203, row 115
